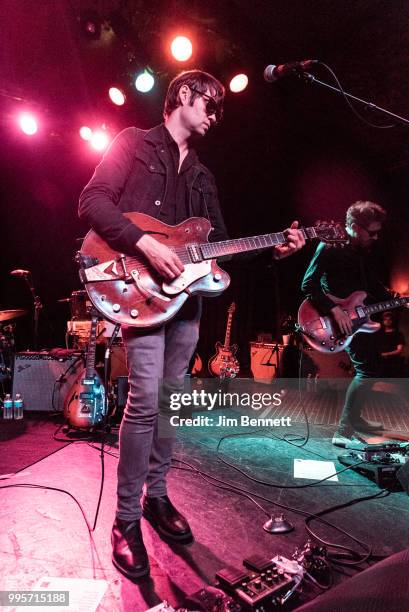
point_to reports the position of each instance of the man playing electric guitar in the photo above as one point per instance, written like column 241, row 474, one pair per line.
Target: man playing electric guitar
column 340, row 272
column 157, row 172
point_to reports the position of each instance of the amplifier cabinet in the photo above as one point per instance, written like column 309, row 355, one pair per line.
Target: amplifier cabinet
column 44, row 378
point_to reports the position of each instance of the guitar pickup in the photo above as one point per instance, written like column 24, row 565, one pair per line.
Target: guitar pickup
column 195, row 253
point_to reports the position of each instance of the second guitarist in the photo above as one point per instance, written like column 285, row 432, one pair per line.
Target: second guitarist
column 340, row 272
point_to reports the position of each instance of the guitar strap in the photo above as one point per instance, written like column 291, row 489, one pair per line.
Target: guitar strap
column 204, row 199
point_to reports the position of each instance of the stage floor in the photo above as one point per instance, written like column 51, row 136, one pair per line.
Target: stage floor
column 44, row 532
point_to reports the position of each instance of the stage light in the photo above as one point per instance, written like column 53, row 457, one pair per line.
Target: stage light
column 91, row 24
column 238, row 83
column 28, row 124
column 181, row 48
column 116, row 96
column 99, row 140
column 85, row 132
column 144, row 82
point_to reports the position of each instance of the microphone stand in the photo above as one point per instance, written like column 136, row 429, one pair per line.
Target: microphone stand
column 37, row 307
column 310, row 78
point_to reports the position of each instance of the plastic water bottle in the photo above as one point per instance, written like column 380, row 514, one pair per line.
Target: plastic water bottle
column 18, row 407
column 7, row 407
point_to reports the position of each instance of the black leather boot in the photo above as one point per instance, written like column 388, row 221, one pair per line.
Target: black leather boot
column 128, row 550
column 164, row 517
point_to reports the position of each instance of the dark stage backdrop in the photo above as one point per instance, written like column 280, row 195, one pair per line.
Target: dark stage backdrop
column 284, row 151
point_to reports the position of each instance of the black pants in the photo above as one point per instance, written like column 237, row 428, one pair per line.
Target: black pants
column 365, row 358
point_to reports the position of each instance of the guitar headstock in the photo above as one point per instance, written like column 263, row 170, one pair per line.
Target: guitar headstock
column 331, row 232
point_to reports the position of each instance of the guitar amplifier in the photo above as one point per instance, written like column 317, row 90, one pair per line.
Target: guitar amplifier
column 44, row 378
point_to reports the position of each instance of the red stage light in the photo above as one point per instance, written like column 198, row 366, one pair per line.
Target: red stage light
column 181, row 48
column 85, row 132
column 116, row 96
column 28, row 124
column 99, row 140
column 239, row 83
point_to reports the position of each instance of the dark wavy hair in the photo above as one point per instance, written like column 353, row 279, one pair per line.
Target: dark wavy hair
column 196, row 79
column 365, row 213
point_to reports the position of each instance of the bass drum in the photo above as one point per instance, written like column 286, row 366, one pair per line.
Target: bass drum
column 265, row 361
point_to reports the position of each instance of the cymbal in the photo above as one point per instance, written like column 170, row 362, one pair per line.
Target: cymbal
column 7, row 315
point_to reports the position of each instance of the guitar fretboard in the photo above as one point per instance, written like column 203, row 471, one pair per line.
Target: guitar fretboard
column 228, row 331
column 388, row 305
column 212, row 250
column 90, row 363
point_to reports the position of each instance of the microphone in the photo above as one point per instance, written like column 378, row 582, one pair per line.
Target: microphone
column 20, row 272
column 273, row 73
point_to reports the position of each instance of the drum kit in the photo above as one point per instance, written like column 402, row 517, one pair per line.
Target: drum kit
column 7, row 343
column 79, row 325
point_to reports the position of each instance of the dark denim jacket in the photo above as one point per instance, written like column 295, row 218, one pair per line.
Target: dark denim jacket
column 132, row 177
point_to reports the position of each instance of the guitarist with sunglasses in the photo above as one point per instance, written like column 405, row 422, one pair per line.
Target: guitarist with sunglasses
column 340, row 272
column 157, row 172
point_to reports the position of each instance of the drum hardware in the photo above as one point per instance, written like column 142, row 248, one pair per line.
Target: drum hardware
column 80, row 305
column 8, row 315
column 7, row 342
column 26, row 275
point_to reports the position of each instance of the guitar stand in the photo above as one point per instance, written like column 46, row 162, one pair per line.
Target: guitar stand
column 107, row 371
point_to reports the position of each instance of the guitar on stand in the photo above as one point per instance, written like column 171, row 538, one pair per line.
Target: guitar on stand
column 224, row 363
column 85, row 405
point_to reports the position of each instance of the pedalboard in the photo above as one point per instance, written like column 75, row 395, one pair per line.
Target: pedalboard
column 378, row 462
column 262, row 582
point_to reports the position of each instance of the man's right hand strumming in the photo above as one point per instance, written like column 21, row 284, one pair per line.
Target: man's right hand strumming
column 162, row 259
column 343, row 320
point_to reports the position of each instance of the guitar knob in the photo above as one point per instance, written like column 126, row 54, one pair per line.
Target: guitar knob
column 217, row 277
column 332, row 348
column 134, row 313
column 341, row 342
column 116, row 307
column 323, row 343
column 332, row 337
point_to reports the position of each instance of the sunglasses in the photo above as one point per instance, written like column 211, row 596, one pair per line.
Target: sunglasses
column 212, row 107
column 371, row 233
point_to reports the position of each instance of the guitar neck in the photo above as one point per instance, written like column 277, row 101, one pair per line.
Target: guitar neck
column 90, row 362
column 388, row 305
column 212, row 250
column 228, row 331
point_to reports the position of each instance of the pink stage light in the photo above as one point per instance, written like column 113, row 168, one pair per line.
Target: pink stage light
column 28, row 124
column 99, row 140
column 116, row 96
column 181, row 48
column 85, row 132
column 239, row 83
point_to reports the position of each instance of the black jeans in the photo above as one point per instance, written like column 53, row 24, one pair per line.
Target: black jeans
column 365, row 358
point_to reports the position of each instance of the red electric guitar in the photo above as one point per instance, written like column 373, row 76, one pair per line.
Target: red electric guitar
column 322, row 332
column 126, row 289
column 224, row 363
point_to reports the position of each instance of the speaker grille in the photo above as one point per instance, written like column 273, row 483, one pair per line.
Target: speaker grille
column 36, row 376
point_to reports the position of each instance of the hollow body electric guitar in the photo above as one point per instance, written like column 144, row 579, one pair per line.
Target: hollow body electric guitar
column 322, row 332
column 85, row 403
column 126, row 289
column 224, row 363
